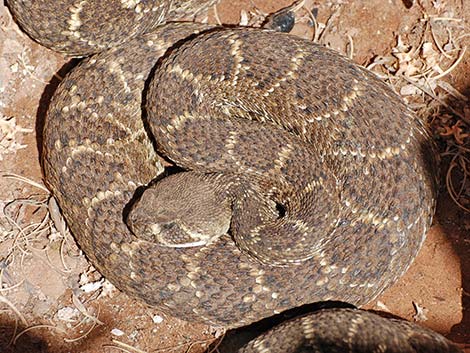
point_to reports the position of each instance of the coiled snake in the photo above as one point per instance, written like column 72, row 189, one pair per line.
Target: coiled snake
column 322, row 174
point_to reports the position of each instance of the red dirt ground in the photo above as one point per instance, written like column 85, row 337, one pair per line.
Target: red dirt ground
column 43, row 275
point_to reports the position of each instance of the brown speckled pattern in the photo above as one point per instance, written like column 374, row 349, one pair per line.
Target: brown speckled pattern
column 96, row 153
column 349, row 330
column 83, row 27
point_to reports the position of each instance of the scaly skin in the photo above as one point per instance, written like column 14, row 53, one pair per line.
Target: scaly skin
column 97, row 153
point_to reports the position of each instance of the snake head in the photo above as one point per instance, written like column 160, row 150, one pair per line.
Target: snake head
column 180, row 211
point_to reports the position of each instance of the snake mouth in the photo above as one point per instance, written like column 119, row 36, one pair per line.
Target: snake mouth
column 175, row 234
column 168, row 233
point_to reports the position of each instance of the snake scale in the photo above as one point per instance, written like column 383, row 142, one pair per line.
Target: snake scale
column 322, row 174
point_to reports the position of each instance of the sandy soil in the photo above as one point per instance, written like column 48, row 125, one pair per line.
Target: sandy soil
column 52, row 300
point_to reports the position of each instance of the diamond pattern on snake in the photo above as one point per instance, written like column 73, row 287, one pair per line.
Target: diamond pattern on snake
column 306, row 178
column 318, row 171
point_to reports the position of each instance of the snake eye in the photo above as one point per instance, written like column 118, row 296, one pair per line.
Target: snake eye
column 168, row 226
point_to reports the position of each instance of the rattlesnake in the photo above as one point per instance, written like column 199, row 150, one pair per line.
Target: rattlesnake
column 83, row 27
column 340, row 162
column 359, row 332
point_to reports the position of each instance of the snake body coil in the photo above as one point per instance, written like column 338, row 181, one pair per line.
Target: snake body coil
column 348, row 330
column 379, row 194
column 322, row 174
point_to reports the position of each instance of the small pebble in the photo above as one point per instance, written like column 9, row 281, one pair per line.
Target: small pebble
column 117, row 332
column 157, row 319
column 91, row 287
